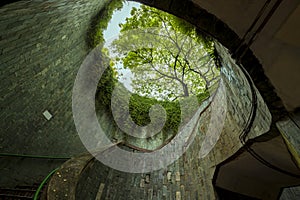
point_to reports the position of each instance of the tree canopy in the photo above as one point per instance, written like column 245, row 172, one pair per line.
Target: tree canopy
column 169, row 60
column 167, row 56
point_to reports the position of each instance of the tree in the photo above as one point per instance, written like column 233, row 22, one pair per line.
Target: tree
column 168, row 58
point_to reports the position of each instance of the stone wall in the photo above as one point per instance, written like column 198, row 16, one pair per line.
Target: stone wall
column 42, row 45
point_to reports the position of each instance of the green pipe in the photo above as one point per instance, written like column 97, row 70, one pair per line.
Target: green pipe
column 34, row 156
column 36, row 195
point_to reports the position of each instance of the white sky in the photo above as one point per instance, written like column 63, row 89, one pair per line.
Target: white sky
column 118, row 17
column 113, row 31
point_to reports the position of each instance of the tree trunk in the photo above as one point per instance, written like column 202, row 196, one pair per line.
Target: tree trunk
column 185, row 90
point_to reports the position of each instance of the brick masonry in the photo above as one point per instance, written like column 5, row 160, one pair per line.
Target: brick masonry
column 42, row 45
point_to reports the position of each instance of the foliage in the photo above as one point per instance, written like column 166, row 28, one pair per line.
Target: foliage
column 139, row 108
column 167, row 56
column 139, row 105
column 101, row 21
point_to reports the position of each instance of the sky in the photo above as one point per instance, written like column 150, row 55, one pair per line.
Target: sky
column 113, row 31
column 118, row 17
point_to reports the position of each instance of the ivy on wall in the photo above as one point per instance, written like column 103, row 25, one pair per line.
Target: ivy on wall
column 139, row 106
column 100, row 22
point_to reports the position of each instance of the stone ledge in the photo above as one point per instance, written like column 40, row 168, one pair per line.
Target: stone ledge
column 290, row 132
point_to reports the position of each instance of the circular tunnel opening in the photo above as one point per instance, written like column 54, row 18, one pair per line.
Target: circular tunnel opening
column 154, row 58
column 158, row 48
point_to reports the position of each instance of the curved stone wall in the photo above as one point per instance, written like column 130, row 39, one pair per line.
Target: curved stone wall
column 191, row 176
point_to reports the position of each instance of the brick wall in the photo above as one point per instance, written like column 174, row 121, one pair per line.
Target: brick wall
column 42, row 45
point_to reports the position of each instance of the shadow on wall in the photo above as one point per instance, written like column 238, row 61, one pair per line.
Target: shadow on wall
column 4, row 2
